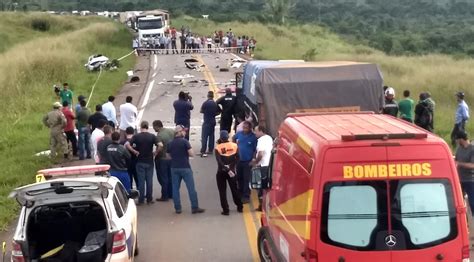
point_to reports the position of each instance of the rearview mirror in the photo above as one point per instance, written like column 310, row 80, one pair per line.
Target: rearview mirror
column 134, row 194
column 260, row 178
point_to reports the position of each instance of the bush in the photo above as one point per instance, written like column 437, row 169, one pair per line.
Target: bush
column 40, row 24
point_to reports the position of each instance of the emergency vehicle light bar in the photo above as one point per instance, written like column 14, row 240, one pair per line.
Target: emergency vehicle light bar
column 348, row 138
column 73, row 171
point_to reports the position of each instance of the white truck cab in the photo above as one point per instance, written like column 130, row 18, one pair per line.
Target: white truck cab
column 151, row 26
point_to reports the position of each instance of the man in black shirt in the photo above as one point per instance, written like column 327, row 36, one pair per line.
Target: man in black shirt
column 142, row 146
column 118, row 157
column 103, row 144
column 210, row 110
column 226, row 103
column 96, row 117
column 391, row 106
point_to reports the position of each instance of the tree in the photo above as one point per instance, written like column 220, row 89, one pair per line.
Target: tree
column 280, row 9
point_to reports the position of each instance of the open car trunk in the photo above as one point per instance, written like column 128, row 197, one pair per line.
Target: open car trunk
column 67, row 232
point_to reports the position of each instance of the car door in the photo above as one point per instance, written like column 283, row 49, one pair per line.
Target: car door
column 127, row 216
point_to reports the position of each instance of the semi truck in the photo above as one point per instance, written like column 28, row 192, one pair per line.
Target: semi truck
column 151, row 24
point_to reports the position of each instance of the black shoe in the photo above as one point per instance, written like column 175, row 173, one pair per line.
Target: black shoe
column 178, row 211
column 240, row 209
column 225, row 213
column 198, row 211
column 89, row 157
column 258, row 209
column 150, row 202
column 245, row 200
column 162, row 199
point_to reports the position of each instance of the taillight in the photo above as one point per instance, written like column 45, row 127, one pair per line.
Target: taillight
column 17, row 253
column 465, row 254
column 120, row 242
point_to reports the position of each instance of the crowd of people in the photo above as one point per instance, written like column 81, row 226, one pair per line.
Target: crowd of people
column 216, row 42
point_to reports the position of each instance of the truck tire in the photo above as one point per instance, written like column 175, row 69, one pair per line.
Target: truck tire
column 265, row 245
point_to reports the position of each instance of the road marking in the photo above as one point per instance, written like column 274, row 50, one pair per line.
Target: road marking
column 208, row 75
column 156, row 62
column 251, row 232
column 154, row 75
column 145, row 101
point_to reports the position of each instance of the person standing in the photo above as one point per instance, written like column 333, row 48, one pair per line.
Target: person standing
column 66, row 95
column 174, row 47
column 210, row 110
column 182, row 111
column 247, row 144
column 96, row 136
column 128, row 116
column 56, row 122
column 142, row 146
column 461, row 117
column 227, row 156
column 69, row 129
column 103, row 144
column 78, row 105
column 424, row 114
column 84, row 131
column 182, row 39
column 391, row 106
column 226, row 104
column 179, row 150
column 109, row 111
column 465, row 164
column 162, row 162
column 262, row 157
column 132, row 165
column 406, row 107
column 97, row 117
column 118, row 158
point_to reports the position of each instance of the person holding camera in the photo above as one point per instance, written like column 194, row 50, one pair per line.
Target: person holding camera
column 182, row 111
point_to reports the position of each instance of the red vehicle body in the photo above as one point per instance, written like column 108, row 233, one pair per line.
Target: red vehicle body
column 362, row 187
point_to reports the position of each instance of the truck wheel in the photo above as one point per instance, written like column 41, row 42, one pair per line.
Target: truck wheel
column 264, row 245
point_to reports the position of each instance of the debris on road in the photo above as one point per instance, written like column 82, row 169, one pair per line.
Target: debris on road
column 224, row 69
column 183, row 76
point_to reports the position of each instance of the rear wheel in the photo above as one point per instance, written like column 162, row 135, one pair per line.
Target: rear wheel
column 264, row 245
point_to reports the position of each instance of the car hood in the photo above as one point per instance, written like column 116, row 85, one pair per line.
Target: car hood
column 60, row 189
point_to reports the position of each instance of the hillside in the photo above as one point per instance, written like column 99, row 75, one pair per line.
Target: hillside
column 29, row 66
column 441, row 75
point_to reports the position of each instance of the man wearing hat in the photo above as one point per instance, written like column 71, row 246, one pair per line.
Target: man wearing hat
column 227, row 156
column 461, row 117
column 179, row 150
column 227, row 104
column 210, row 110
column 465, row 165
column 391, row 106
column 56, row 122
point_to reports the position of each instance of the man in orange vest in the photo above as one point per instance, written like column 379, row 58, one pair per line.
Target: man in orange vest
column 227, row 156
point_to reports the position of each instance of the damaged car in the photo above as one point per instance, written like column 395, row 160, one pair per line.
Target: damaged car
column 96, row 62
column 75, row 214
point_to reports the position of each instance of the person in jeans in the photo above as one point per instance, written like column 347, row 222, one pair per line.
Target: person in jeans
column 142, row 146
column 84, row 131
column 69, row 129
column 247, row 143
column 118, row 157
column 132, row 165
column 465, row 165
column 162, row 162
column 227, row 156
column 179, row 150
column 461, row 117
column 210, row 110
column 182, row 108
column 262, row 157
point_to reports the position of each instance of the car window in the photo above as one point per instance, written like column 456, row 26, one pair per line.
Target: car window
column 122, row 196
column 426, row 212
column 117, row 206
column 352, row 209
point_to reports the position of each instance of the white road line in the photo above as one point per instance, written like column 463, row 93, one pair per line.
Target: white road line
column 145, row 101
column 237, row 57
column 156, row 62
column 154, row 75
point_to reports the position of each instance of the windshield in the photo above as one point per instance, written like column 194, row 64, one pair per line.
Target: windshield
column 418, row 214
column 150, row 24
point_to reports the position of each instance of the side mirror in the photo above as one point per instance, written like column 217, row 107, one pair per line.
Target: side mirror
column 134, row 194
column 260, row 178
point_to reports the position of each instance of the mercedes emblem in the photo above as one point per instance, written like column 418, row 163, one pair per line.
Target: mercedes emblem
column 390, row 240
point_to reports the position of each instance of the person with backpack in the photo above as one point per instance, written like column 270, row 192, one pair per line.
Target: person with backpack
column 424, row 113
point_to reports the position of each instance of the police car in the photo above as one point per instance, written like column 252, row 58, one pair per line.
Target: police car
column 75, row 214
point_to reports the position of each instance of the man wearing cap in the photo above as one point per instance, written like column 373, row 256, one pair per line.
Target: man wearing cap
column 179, row 150
column 56, row 122
column 227, row 156
column 465, row 165
column 210, row 110
column 391, row 106
column 65, row 94
column 461, row 117
column 226, row 104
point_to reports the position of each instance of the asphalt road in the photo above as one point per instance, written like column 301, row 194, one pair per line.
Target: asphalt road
column 164, row 235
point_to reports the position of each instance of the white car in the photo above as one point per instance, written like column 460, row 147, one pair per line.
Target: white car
column 95, row 62
column 75, row 214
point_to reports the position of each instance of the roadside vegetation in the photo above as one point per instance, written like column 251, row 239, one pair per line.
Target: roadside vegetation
column 442, row 75
column 30, row 63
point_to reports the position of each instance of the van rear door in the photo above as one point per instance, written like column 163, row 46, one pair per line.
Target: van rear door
column 353, row 212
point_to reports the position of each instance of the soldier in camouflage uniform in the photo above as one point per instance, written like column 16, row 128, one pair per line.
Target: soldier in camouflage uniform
column 56, row 121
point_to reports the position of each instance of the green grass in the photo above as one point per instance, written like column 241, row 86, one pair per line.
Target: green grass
column 441, row 75
column 28, row 70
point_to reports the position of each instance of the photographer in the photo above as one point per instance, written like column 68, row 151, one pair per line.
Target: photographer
column 182, row 108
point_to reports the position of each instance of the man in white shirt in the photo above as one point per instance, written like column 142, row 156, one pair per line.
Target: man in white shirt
column 128, row 117
column 109, row 111
column 96, row 136
column 262, row 157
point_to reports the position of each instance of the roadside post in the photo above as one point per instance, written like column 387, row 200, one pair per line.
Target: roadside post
column 4, row 250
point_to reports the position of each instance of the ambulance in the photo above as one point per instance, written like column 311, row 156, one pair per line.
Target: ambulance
column 361, row 187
